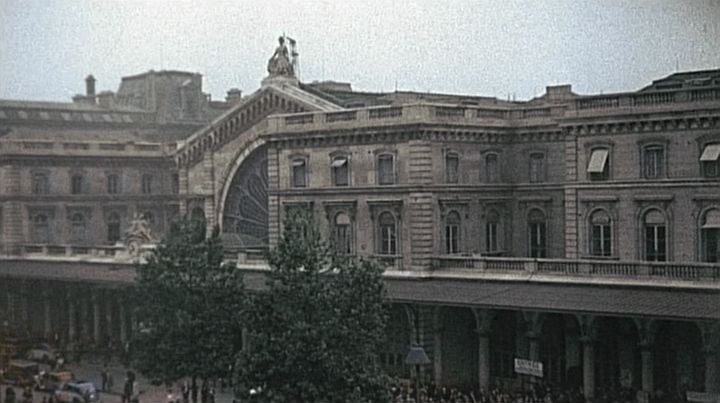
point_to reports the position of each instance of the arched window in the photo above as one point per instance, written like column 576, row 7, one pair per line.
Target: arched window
column 492, row 174
column 386, row 169
column 452, row 233
column 113, row 227
column 147, row 183
column 76, row 184
column 77, row 228
column 452, row 165
column 655, row 236
column 600, row 234
column 537, row 234
column 492, row 232
column 40, row 228
column 340, row 166
column 342, row 234
column 298, row 172
column 113, row 184
column 387, row 234
column 710, row 236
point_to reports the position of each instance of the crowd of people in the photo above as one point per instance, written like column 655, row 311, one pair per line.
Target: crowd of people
column 404, row 392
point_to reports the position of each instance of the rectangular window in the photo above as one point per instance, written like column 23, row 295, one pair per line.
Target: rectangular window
column 655, row 246
column 601, row 240
column 491, row 168
column 176, row 183
column 452, row 162
column 653, row 162
column 598, row 166
column 147, row 184
column 711, row 240
column 340, row 171
column 536, row 168
column 298, row 173
column 40, row 183
column 491, row 237
column 113, row 184
column 76, row 184
column 388, row 241
column 537, row 239
column 709, row 161
column 386, row 169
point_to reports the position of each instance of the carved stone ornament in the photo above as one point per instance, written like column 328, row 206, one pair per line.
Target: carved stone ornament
column 137, row 234
column 279, row 64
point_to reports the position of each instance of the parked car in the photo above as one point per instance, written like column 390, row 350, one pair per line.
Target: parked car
column 41, row 353
column 77, row 392
column 21, row 372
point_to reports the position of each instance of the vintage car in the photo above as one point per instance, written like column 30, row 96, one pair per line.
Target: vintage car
column 21, row 372
column 41, row 353
column 77, row 392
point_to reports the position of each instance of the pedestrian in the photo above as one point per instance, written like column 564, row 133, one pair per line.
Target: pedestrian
column 194, row 390
column 204, row 392
column 185, row 392
column 110, row 381
column 104, row 378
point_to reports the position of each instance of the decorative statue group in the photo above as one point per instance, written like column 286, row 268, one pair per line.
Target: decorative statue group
column 279, row 64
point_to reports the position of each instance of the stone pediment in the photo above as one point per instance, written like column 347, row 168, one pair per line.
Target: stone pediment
column 273, row 98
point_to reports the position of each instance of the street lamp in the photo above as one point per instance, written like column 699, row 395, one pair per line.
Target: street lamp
column 417, row 357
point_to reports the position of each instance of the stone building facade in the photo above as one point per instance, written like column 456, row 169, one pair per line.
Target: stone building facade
column 578, row 231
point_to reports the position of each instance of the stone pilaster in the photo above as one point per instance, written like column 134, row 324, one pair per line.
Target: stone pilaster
column 12, row 212
column 420, row 218
column 570, row 196
column 183, row 188
column 209, row 190
column 274, row 213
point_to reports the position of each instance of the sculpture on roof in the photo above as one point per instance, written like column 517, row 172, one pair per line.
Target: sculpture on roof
column 280, row 63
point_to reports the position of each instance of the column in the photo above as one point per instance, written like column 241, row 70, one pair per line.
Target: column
column 588, row 367
column 133, row 321
column 483, row 326
column 646, row 358
column 71, row 320
column 96, row 316
column 123, row 322
column 533, row 345
column 108, row 317
column 712, row 371
column 47, row 325
column 437, row 341
column 85, row 317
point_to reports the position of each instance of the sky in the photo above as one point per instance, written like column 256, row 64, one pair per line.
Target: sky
column 503, row 48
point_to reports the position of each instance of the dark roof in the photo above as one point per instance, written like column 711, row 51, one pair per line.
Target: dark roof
column 686, row 80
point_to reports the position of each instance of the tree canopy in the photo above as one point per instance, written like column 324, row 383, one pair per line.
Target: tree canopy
column 315, row 333
column 188, row 303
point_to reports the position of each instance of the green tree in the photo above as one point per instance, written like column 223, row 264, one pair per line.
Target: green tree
column 315, row 332
column 188, row 304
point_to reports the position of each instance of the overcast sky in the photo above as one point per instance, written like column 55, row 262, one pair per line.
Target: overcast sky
column 491, row 48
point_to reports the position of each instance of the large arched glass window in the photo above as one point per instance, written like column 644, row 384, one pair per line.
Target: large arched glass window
column 77, row 228
column 113, row 227
column 537, row 234
column 600, row 234
column 387, row 234
column 710, row 236
column 655, row 236
column 452, row 233
column 40, row 228
column 342, row 234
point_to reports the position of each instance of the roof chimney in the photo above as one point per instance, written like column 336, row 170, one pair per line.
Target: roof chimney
column 233, row 96
column 90, row 86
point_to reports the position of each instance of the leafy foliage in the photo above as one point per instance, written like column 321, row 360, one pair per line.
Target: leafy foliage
column 315, row 333
column 188, row 304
